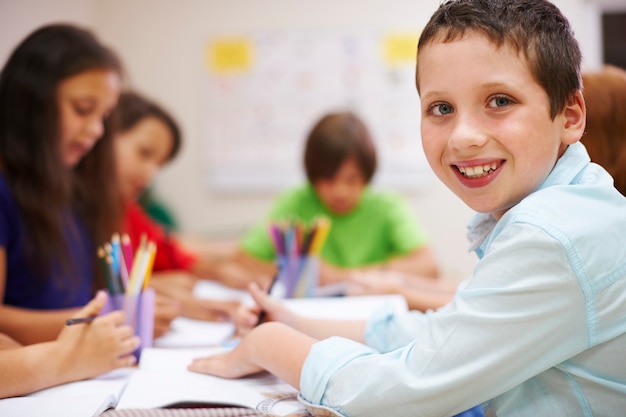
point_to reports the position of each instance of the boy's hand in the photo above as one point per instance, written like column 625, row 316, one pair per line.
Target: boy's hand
column 233, row 364
column 379, row 282
column 274, row 347
column 247, row 317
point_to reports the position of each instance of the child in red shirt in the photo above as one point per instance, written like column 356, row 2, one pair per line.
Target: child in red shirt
column 147, row 137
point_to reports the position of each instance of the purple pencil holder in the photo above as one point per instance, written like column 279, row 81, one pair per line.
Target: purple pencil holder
column 298, row 275
column 139, row 309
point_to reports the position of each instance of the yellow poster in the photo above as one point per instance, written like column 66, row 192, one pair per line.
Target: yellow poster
column 400, row 49
column 229, row 55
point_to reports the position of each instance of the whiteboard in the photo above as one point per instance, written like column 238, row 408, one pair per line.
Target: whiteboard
column 265, row 90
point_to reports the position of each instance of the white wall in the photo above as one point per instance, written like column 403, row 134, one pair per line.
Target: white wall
column 162, row 41
column 19, row 17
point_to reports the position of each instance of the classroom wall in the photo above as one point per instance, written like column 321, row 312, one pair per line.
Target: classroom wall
column 162, row 42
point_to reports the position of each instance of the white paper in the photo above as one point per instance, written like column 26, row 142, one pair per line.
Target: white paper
column 163, row 380
column 76, row 399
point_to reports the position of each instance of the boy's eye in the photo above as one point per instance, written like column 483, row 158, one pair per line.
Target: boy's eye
column 499, row 101
column 441, row 109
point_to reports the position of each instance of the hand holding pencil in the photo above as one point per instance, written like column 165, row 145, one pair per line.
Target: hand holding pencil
column 127, row 275
column 247, row 317
column 97, row 346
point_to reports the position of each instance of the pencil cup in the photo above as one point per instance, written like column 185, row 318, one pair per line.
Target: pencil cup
column 139, row 309
column 298, row 275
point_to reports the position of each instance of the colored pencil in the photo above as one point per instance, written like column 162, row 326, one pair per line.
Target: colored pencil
column 79, row 320
column 127, row 248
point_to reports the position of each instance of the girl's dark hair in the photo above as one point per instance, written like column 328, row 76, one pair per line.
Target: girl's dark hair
column 30, row 142
column 535, row 28
column 335, row 138
column 132, row 108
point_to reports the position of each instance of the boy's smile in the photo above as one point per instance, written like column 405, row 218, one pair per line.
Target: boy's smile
column 486, row 126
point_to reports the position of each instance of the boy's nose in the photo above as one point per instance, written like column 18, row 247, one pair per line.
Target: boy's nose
column 340, row 190
column 467, row 133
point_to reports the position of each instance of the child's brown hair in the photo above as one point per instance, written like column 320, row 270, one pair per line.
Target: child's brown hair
column 335, row 138
column 605, row 133
column 535, row 28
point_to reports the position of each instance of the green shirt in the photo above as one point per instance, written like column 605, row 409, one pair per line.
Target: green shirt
column 380, row 227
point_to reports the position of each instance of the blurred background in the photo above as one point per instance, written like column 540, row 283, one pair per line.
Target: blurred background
column 246, row 80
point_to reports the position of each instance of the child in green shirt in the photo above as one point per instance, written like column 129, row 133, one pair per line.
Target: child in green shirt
column 370, row 229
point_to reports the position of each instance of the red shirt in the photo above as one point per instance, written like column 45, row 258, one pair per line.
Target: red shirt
column 169, row 255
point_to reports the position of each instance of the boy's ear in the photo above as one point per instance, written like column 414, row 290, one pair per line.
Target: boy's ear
column 575, row 115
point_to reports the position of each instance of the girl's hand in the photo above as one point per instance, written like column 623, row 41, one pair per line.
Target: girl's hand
column 90, row 349
column 211, row 310
column 180, row 286
column 166, row 309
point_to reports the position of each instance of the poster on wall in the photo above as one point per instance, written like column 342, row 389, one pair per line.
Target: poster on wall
column 265, row 90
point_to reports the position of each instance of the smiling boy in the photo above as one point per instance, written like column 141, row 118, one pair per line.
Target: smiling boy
column 539, row 328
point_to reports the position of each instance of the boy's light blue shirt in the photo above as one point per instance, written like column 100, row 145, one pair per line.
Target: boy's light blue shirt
column 538, row 330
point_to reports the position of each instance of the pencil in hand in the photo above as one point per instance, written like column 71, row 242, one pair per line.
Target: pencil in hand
column 262, row 313
column 79, row 320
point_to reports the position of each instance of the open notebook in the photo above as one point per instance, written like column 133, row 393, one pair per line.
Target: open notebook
column 162, row 381
column 76, row 399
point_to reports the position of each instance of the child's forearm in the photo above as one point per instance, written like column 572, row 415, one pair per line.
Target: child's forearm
column 33, row 326
column 323, row 328
column 425, row 299
column 420, row 262
column 31, row 368
column 279, row 349
column 241, row 269
column 7, row 342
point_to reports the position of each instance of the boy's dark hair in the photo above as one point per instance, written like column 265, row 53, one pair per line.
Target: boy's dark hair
column 132, row 108
column 535, row 28
column 335, row 138
column 30, row 141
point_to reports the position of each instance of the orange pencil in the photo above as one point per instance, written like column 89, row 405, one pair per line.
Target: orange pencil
column 148, row 271
column 323, row 228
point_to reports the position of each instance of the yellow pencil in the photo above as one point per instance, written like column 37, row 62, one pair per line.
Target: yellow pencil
column 135, row 273
column 321, row 233
column 148, row 272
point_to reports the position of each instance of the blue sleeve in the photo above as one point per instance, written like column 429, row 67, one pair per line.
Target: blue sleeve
column 8, row 215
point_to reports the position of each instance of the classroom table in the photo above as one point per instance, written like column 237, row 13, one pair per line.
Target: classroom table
column 77, row 399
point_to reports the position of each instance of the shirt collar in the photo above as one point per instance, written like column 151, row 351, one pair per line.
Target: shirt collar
column 567, row 168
